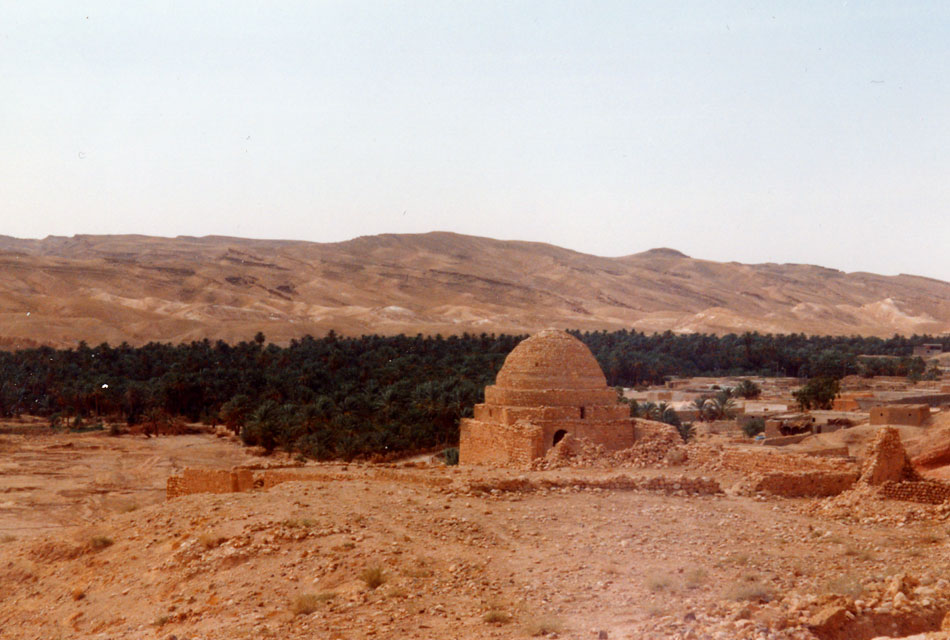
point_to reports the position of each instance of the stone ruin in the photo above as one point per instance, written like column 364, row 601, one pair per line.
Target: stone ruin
column 888, row 468
column 887, row 473
column 549, row 386
column 886, row 460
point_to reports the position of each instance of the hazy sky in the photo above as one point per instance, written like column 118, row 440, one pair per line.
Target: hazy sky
column 813, row 132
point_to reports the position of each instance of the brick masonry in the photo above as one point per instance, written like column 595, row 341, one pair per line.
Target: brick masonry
column 549, row 386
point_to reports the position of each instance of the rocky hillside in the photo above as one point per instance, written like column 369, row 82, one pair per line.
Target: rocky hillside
column 137, row 289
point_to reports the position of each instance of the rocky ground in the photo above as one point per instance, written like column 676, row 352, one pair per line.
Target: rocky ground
column 427, row 551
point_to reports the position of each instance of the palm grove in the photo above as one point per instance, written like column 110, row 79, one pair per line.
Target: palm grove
column 337, row 397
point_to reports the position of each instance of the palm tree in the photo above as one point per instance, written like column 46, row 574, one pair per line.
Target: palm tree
column 722, row 406
column 647, row 410
column 702, row 405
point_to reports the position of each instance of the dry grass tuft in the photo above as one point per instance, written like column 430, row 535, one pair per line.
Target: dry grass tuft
column 299, row 523
column 543, row 625
column 696, row 577
column 98, row 543
column 658, row 581
column 210, row 540
column 373, row 577
column 305, row 604
column 496, row 616
column 748, row 588
column 858, row 553
column 846, row 585
column 397, row 592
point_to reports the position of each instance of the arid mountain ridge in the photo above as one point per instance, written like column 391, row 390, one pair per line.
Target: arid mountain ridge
column 137, row 289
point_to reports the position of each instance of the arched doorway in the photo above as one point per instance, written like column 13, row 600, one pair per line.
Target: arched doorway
column 558, row 436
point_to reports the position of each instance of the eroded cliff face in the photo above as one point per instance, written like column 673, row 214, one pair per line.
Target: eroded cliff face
column 57, row 291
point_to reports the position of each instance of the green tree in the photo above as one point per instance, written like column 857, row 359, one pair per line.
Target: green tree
column 817, row 393
column 748, row 389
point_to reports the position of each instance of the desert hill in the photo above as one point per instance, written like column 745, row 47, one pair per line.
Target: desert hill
column 137, row 289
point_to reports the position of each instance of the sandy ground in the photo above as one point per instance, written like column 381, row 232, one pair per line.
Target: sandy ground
column 90, row 550
column 53, row 480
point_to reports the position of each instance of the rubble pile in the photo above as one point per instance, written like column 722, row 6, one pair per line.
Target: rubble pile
column 671, row 485
column 659, row 448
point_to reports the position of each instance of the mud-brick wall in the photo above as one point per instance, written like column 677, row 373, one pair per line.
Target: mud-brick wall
column 910, row 414
column 488, row 443
column 198, row 481
column 209, row 481
column 767, row 462
column 802, row 484
column 926, row 491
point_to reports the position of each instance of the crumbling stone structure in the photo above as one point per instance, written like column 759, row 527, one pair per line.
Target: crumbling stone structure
column 240, row 479
column 889, row 469
column 886, row 460
column 907, row 414
column 849, row 401
column 549, row 386
column 208, row 481
column 805, row 484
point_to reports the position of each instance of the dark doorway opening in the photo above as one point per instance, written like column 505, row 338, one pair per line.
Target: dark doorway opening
column 558, row 436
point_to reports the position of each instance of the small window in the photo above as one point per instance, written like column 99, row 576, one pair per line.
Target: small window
column 582, row 413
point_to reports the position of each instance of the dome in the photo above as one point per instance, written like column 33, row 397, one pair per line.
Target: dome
column 551, row 359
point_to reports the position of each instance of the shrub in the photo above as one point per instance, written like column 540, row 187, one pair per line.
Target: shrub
column 451, row 456
column 686, row 431
column 754, row 427
column 748, row 389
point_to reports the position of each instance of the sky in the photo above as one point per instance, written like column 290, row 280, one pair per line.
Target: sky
column 805, row 132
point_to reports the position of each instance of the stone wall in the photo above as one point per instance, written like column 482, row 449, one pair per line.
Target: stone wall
column 805, row 484
column 925, row 491
column 682, row 485
column 208, row 481
column 237, row 480
column 886, row 460
column 494, row 443
column 750, row 461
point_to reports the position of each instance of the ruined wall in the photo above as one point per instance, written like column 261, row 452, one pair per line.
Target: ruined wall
column 492, row 443
column 237, row 480
column 208, row 481
column 849, row 401
column 806, row 484
column 925, row 491
column 762, row 461
column 682, row 485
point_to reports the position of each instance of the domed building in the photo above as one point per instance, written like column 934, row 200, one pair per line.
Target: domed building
column 549, row 386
